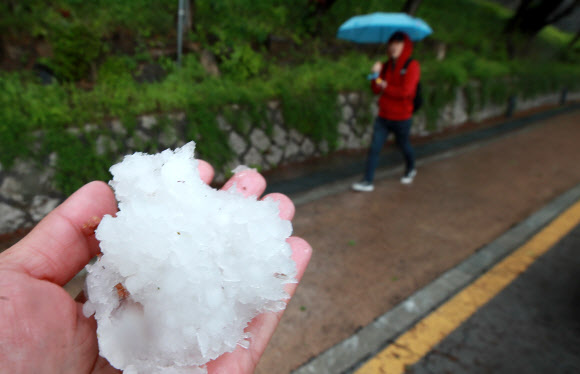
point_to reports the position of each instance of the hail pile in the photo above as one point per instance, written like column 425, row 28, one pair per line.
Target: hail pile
column 184, row 267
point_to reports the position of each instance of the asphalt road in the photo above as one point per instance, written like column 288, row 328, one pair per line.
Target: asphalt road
column 532, row 326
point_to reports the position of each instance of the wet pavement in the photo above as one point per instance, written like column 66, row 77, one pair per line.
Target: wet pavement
column 371, row 251
column 532, row 326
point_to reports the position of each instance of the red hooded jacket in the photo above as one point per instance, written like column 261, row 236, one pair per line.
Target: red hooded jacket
column 396, row 100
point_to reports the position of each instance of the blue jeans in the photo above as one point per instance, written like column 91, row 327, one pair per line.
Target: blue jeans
column 381, row 130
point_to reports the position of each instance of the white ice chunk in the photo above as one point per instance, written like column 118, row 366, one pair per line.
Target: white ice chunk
column 184, row 268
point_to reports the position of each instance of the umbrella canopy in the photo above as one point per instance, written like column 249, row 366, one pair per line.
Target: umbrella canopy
column 378, row 27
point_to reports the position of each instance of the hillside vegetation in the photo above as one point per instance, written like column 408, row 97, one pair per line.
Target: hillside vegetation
column 100, row 51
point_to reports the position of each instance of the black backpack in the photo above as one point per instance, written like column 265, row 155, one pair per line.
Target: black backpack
column 418, row 99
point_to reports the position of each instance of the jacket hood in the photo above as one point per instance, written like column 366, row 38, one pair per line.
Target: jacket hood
column 407, row 52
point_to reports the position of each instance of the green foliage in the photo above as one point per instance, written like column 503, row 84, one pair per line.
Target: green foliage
column 212, row 143
column 243, row 63
column 75, row 49
column 306, row 79
column 233, row 21
column 77, row 161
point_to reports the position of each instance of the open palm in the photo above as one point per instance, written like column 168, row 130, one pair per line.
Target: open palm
column 43, row 329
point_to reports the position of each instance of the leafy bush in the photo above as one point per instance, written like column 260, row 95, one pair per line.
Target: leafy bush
column 76, row 49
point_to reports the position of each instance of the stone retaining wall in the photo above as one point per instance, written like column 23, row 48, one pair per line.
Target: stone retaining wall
column 27, row 192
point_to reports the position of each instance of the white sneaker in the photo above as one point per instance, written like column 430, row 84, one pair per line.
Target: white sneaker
column 408, row 178
column 363, row 186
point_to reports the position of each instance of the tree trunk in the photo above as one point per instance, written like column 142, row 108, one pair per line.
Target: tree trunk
column 411, row 7
column 574, row 41
column 532, row 16
column 190, row 16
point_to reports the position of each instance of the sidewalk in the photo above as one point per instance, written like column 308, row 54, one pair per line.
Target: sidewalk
column 371, row 251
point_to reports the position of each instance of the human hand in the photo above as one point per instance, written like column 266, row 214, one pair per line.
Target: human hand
column 377, row 67
column 43, row 329
column 382, row 84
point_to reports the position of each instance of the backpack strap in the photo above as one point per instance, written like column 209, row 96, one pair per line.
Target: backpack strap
column 404, row 69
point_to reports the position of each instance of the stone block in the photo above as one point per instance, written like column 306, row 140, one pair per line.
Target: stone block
column 279, row 135
column 291, row 150
column 307, row 147
column 374, row 108
column 353, row 142
column 52, row 159
column 118, row 128
column 179, row 116
column 253, row 158
column 344, row 128
column 148, row 122
column 354, row 98
column 104, row 144
column 168, row 137
column 237, row 143
column 459, row 111
column 223, row 123
column 11, row 219
column 12, row 189
column 347, row 113
column 41, row 206
column 274, row 155
column 273, row 104
column 365, row 140
column 489, row 111
column 296, row 136
column 259, row 140
column 90, row 127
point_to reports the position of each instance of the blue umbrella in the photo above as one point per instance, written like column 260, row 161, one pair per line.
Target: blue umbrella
column 378, row 27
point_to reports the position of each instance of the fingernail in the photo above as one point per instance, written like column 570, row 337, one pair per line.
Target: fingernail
column 248, row 183
column 285, row 205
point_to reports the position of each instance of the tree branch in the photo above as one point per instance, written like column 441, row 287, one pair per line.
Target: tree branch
column 563, row 13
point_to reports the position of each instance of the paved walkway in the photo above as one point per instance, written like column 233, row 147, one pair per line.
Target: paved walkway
column 371, row 251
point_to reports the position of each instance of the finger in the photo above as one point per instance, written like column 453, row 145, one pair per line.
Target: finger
column 249, row 182
column 206, row 171
column 262, row 327
column 285, row 205
column 64, row 241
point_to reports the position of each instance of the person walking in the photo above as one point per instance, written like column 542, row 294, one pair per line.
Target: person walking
column 396, row 84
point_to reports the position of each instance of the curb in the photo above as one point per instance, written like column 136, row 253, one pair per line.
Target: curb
column 348, row 355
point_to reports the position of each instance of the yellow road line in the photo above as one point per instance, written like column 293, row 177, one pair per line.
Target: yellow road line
column 421, row 338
